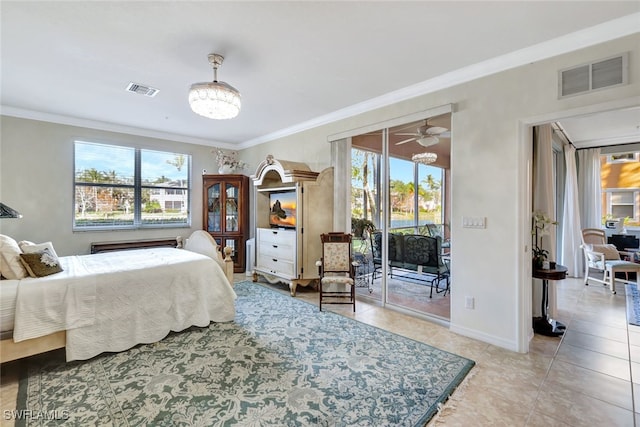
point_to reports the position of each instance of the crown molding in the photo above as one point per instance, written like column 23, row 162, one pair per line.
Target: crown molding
column 107, row 126
column 587, row 37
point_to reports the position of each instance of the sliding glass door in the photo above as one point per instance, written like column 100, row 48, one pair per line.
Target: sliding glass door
column 399, row 177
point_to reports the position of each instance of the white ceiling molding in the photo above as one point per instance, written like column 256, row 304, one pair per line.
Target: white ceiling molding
column 604, row 32
column 396, row 121
column 108, row 127
column 607, row 31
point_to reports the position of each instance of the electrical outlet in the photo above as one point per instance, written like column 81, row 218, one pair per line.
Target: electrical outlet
column 469, row 302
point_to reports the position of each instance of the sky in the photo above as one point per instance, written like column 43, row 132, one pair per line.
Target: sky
column 403, row 170
column 105, row 158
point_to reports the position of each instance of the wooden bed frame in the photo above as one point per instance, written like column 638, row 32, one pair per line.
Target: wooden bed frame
column 10, row 350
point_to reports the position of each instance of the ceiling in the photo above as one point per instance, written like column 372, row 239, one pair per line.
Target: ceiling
column 297, row 64
column 603, row 129
column 372, row 141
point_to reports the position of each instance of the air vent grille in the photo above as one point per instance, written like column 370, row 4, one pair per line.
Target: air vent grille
column 142, row 89
column 598, row 75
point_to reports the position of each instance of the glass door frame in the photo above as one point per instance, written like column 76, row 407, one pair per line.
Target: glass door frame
column 345, row 137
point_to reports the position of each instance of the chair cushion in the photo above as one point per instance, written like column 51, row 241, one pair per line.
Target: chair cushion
column 336, row 256
column 610, row 252
column 622, row 266
column 341, row 280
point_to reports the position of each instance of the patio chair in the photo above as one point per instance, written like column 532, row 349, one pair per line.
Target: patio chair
column 602, row 261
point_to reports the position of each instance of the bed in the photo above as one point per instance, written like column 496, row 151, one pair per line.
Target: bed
column 112, row 301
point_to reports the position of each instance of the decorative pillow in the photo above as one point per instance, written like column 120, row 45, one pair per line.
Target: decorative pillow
column 10, row 265
column 30, row 247
column 41, row 263
column 610, row 252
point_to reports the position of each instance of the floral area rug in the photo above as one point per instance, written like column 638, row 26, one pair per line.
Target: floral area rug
column 280, row 363
column 633, row 303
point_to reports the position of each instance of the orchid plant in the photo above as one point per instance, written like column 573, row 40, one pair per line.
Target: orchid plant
column 541, row 227
column 228, row 159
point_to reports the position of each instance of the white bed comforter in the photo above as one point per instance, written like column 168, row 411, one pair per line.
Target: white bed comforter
column 113, row 301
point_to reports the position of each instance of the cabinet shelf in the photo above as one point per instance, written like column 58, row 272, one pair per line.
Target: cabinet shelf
column 226, row 213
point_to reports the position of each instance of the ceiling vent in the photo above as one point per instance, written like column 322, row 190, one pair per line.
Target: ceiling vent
column 602, row 74
column 142, row 89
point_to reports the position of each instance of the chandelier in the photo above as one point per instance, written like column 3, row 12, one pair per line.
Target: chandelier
column 424, row 158
column 214, row 100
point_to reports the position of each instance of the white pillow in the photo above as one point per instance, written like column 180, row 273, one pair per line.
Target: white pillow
column 610, row 252
column 10, row 265
column 31, row 248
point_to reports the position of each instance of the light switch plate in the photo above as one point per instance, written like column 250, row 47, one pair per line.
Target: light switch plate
column 474, row 222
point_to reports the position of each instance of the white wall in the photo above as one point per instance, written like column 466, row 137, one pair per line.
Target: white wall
column 36, row 178
column 489, row 179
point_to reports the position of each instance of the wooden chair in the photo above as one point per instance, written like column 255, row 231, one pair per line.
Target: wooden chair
column 337, row 270
column 602, row 261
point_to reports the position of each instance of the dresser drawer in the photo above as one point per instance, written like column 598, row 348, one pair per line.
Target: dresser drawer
column 275, row 250
column 275, row 265
column 277, row 237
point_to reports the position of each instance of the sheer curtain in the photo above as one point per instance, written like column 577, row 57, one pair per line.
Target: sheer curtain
column 589, row 188
column 544, row 201
column 571, row 253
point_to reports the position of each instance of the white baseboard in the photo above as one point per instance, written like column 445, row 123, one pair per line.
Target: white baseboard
column 475, row 334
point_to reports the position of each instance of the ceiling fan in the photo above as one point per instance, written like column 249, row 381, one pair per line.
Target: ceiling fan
column 426, row 135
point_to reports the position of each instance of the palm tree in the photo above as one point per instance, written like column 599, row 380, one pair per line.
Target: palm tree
column 360, row 174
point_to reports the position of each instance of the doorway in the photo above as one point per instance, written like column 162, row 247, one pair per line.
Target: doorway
column 589, row 113
column 400, row 205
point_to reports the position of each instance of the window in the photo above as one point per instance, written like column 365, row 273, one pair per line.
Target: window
column 125, row 187
column 621, row 203
column 408, row 208
column 622, row 158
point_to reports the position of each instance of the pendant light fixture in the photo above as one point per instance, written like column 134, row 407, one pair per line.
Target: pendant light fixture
column 424, row 158
column 215, row 100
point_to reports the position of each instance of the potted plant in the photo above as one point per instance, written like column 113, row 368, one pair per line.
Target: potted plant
column 228, row 161
column 361, row 226
column 540, row 228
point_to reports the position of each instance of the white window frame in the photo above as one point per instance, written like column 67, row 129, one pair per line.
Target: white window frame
column 636, row 200
column 618, row 157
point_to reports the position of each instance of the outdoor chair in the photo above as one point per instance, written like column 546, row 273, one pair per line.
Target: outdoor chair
column 602, row 261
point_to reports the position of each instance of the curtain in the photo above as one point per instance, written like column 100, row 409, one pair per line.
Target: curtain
column 571, row 256
column 341, row 162
column 544, row 201
column 589, row 188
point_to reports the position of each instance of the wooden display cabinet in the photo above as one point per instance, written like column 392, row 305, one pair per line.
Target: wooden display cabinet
column 226, row 213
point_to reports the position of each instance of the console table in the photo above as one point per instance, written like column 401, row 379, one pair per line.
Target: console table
column 543, row 325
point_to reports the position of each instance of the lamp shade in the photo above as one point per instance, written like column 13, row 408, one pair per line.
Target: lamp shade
column 7, row 212
column 214, row 100
column 424, row 158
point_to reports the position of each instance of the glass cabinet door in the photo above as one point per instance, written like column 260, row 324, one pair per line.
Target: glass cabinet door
column 231, row 207
column 214, row 222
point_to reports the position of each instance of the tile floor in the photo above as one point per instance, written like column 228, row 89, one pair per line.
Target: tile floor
column 585, row 378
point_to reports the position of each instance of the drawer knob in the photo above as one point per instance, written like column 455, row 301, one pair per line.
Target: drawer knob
column 274, row 260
